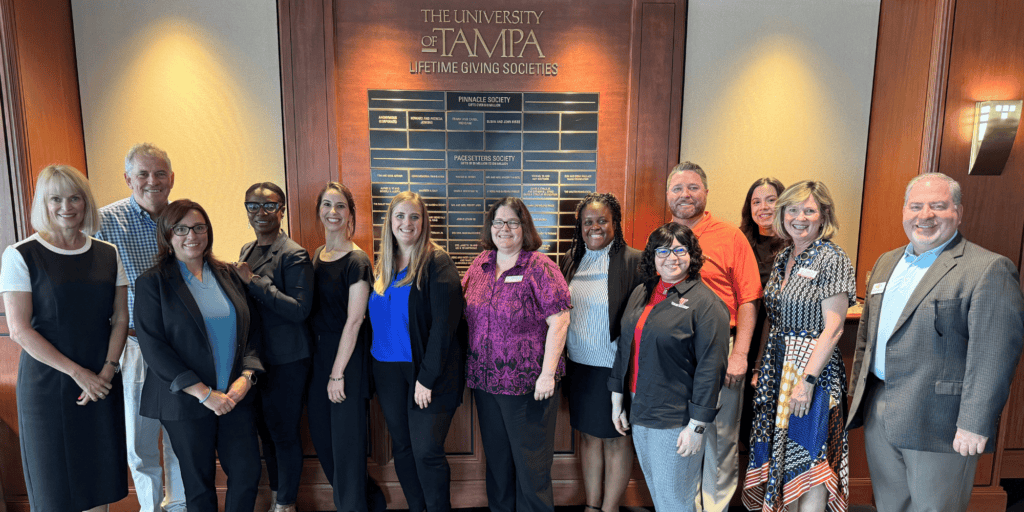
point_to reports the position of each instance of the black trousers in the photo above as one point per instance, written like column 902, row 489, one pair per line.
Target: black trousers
column 417, row 439
column 198, row 443
column 278, row 411
column 518, row 435
column 339, row 430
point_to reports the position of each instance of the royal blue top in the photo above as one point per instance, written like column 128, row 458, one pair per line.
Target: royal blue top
column 389, row 316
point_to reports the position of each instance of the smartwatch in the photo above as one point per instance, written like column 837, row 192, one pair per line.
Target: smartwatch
column 811, row 379
column 699, row 429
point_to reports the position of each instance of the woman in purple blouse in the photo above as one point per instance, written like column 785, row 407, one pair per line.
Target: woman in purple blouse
column 517, row 306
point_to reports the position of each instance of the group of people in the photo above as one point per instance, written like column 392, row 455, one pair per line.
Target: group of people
column 656, row 349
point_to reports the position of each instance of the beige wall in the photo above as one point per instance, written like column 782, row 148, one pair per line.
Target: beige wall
column 198, row 78
column 780, row 88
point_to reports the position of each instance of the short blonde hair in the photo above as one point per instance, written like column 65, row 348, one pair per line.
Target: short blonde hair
column 63, row 179
column 799, row 193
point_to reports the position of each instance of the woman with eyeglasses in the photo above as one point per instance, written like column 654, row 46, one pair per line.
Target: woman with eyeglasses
column 798, row 445
column 417, row 361
column 670, row 359
column 192, row 317
column 517, row 307
column 601, row 271
column 279, row 277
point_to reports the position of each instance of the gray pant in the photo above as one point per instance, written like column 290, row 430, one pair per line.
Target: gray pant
column 721, row 470
column 671, row 478
column 911, row 480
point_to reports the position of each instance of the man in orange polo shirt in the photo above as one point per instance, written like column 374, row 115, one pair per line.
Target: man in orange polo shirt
column 730, row 270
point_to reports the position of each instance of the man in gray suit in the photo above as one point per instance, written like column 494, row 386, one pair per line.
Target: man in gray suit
column 937, row 347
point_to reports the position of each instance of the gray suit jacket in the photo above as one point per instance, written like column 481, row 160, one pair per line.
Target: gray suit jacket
column 953, row 351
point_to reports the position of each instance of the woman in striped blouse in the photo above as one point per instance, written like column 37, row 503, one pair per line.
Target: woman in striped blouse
column 601, row 271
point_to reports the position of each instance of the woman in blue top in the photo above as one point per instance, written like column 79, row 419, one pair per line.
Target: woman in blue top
column 418, row 365
column 193, row 321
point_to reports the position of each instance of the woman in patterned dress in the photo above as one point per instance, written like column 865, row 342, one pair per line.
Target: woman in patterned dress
column 799, row 450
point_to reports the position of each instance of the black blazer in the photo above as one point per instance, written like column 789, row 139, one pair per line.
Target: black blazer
column 437, row 331
column 284, row 296
column 172, row 336
column 623, row 277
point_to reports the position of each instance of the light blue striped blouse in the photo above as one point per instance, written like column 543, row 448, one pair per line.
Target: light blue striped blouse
column 588, row 341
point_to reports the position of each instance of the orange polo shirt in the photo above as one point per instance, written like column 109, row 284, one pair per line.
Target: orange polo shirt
column 730, row 268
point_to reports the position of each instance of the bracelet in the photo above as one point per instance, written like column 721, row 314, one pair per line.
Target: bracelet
column 339, row 379
column 756, row 370
column 209, row 391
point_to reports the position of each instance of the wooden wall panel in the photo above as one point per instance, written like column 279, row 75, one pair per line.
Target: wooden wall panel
column 897, row 124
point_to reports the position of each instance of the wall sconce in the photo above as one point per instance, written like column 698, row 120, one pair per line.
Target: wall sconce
column 995, row 127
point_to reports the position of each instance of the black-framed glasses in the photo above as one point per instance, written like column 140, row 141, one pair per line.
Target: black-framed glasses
column 182, row 230
column 512, row 224
column 254, row 207
column 663, row 252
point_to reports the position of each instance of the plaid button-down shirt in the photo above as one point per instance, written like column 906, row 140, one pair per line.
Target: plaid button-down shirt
column 125, row 224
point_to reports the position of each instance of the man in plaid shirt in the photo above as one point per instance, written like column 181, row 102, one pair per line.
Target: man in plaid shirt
column 130, row 224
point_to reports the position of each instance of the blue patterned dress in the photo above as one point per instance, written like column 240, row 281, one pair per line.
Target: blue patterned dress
column 790, row 455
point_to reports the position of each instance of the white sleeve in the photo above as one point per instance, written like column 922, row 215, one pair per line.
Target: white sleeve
column 14, row 275
column 122, row 277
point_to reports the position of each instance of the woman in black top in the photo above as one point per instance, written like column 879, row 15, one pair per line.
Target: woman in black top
column 671, row 356
column 66, row 299
column 756, row 224
column 279, row 277
column 339, row 389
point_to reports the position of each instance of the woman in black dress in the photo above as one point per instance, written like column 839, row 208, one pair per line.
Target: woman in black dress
column 66, row 298
column 339, row 390
column 278, row 274
column 200, row 344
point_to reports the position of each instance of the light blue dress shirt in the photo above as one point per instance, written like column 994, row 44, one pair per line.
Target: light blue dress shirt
column 901, row 285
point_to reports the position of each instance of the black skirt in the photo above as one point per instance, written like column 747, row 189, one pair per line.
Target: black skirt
column 590, row 402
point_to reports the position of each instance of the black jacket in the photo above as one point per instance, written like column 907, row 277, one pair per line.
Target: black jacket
column 172, row 336
column 284, row 295
column 437, row 333
column 622, row 278
column 682, row 355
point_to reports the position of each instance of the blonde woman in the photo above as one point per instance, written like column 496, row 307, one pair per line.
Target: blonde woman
column 418, row 365
column 66, row 297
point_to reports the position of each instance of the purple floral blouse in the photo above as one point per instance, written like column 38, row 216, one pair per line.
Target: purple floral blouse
column 506, row 317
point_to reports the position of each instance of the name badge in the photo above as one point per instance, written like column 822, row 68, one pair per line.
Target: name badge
column 807, row 272
column 877, row 288
column 513, row 279
column 681, row 304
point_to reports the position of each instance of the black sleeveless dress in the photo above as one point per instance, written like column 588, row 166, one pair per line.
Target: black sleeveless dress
column 74, row 457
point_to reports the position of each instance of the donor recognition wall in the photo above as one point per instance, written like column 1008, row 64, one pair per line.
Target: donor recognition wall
column 461, row 151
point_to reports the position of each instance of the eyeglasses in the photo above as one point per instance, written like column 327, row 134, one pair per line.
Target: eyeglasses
column 253, row 207
column 182, row 230
column 663, row 252
column 512, row 224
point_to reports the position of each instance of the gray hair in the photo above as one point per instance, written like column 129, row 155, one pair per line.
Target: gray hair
column 145, row 149
column 63, row 180
column 687, row 166
column 954, row 186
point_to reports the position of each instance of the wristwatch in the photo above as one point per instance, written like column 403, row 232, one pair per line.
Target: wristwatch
column 115, row 364
column 698, row 429
column 811, row 379
column 251, row 375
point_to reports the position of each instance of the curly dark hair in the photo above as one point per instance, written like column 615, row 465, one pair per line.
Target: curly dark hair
column 171, row 216
column 579, row 248
column 662, row 237
column 531, row 238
